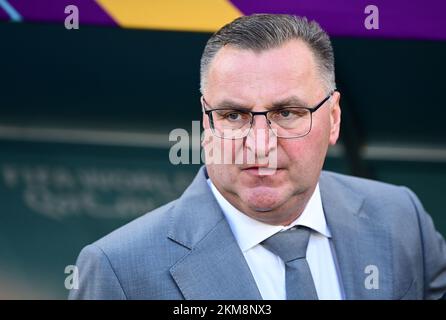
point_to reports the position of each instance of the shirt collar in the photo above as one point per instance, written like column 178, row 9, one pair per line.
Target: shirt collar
column 250, row 232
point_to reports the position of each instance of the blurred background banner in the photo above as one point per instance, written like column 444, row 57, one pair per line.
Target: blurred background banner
column 85, row 114
column 416, row 19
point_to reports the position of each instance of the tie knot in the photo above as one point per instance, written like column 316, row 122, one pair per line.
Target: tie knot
column 289, row 245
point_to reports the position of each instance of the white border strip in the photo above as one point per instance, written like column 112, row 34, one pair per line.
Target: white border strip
column 404, row 153
column 161, row 140
column 86, row 136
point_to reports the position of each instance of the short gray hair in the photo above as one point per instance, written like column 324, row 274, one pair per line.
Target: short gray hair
column 259, row 32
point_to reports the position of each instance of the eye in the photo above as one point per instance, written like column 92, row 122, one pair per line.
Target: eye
column 285, row 113
column 233, row 116
column 289, row 114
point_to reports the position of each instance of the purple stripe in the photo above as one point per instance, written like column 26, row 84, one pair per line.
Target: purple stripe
column 3, row 15
column 54, row 11
column 414, row 19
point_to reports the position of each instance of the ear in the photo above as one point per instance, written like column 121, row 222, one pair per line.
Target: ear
column 206, row 136
column 205, row 116
column 335, row 118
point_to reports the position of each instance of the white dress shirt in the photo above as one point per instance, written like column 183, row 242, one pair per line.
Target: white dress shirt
column 268, row 269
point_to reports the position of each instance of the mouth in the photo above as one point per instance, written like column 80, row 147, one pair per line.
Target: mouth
column 260, row 170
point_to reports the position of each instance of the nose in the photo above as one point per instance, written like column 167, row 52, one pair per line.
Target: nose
column 260, row 141
column 260, row 121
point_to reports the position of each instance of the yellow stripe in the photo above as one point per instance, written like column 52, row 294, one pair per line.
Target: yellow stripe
column 187, row 15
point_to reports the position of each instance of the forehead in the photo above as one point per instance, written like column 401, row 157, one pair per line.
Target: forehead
column 263, row 76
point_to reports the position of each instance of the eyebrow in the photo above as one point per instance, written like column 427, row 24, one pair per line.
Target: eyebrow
column 290, row 101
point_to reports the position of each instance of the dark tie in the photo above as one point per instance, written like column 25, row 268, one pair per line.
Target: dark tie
column 291, row 247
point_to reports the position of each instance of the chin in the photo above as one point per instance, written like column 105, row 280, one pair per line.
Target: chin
column 264, row 199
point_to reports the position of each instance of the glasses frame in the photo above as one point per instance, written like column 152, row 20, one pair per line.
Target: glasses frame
column 208, row 112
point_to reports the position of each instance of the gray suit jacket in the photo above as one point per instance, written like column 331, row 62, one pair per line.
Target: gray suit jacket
column 186, row 250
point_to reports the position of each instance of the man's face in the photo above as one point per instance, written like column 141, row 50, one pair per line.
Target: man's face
column 258, row 81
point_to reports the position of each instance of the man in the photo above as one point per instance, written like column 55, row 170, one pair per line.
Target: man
column 249, row 230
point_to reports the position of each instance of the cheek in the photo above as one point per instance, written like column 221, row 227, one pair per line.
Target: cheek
column 217, row 151
column 224, row 176
column 305, row 152
column 292, row 152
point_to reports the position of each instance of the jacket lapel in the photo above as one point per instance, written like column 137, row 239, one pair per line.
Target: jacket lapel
column 215, row 267
column 362, row 246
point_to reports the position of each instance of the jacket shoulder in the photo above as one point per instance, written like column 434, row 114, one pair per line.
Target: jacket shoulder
column 131, row 262
column 363, row 185
column 147, row 229
column 381, row 200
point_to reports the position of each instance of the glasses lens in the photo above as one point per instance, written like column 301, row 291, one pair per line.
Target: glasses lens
column 230, row 124
column 290, row 122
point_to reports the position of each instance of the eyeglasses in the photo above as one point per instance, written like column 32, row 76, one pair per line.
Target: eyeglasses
column 288, row 122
